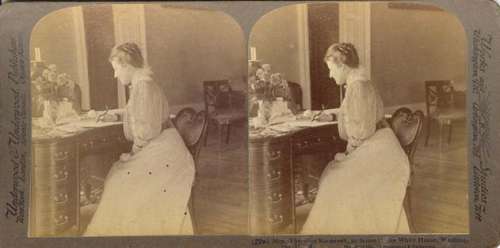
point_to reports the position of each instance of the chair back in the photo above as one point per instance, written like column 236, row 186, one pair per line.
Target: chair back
column 407, row 126
column 439, row 94
column 296, row 94
column 217, row 95
column 192, row 127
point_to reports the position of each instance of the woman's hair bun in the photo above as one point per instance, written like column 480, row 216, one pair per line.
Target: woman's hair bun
column 128, row 53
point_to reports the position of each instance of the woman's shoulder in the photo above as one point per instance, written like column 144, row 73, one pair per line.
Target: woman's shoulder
column 357, row 76
column 144, row 75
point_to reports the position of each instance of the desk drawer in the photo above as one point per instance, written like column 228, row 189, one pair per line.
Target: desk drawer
column 55, row 202
column 53, row 222
column 275, row 197
column 269, row 152
column 102, row 141
column 268, row 218
column 62, row 173
column 264, row 174
column 314, row 144
column 50, row 155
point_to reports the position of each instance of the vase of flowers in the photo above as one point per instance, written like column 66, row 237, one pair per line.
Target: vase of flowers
column 267, row 91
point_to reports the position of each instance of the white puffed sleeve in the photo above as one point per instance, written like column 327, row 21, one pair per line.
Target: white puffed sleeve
column 147, row 109
column 361, row 109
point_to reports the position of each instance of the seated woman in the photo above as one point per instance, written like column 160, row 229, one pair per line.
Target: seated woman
column 362, row 190
column 147, row 191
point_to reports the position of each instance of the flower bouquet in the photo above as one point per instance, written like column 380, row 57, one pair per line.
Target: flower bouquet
column 269, row 95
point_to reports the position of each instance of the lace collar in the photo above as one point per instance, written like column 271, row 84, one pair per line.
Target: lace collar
column 356, row 75
column 142, row 74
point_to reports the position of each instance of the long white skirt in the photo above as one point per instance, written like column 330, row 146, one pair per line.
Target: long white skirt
column 149, row 194
column 364, row 192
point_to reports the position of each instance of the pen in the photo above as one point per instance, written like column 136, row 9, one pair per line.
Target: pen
column 101, row 116
column 319, row 113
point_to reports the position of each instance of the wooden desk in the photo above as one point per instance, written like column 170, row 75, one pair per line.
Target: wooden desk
column 275, row 161
column 55, row 180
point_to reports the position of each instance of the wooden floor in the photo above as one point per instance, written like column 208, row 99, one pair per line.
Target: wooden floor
column 440, row 188
column 221, row 191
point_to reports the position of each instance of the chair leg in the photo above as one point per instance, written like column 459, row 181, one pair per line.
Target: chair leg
column 221, row 134
column 206, row 134
column 449, row 132
column 428, row 131
column 205, row 138
column 193, row 214
column 409, row 212
column 228, row 131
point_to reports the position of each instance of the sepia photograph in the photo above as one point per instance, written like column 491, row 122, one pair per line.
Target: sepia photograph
column 249, row 124
column 139, row 122
column 357, row 120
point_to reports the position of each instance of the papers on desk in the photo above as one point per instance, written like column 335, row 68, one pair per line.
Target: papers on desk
column 334, row 111
column 310, row 123
column 299, row 124
column 93, row 123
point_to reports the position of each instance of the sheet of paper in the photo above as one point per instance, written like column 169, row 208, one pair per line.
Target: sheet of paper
column 332, row 111
column 309, row 123
column 93, row 123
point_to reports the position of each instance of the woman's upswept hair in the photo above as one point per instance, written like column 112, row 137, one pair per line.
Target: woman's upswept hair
column 127, row 53
column 347, row 50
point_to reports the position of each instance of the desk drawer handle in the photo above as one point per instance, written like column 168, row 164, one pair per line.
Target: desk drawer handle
column 274, row 155
column 273, row 175
column 303, row 144
column 61, row 220
column 61, row 198
column 60, row 156
column 61, row 175
column 275, row 197
column 276, row 219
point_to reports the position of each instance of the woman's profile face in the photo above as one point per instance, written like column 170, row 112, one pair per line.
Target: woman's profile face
column 335, row 63
column 122, row 72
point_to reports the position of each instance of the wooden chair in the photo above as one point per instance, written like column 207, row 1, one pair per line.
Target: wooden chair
column 220, row 108
column 441, row 106
column 192, row 127
column 407, row 126
column 296, row 95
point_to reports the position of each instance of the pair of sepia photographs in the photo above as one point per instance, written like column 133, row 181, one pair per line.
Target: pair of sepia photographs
column 249, row 124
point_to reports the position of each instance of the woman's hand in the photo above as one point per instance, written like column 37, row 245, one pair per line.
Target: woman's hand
column 324, row 117
column 125, row 157
column 108, row 118
column 340, row 156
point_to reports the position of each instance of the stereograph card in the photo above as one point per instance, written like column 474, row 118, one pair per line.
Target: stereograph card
column 250, row 124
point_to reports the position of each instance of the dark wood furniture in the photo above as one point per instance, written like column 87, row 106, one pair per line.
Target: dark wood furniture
column 55, row 179
column 274, row 163
column 441, row 106
column 407, row 126
column 192, row 127
column 223, row 106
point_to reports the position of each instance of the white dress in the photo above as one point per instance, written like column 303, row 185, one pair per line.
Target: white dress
column 363, row 191
column 149, row 193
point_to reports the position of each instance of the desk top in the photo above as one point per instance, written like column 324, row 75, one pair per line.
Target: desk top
column 285, row 129
column 69, row 130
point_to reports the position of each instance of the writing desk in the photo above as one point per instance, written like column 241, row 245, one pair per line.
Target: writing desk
column 55, row 179
column 275, row 161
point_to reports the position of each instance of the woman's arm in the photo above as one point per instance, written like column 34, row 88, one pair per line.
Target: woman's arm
column 146, row 112
column 359, row 113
